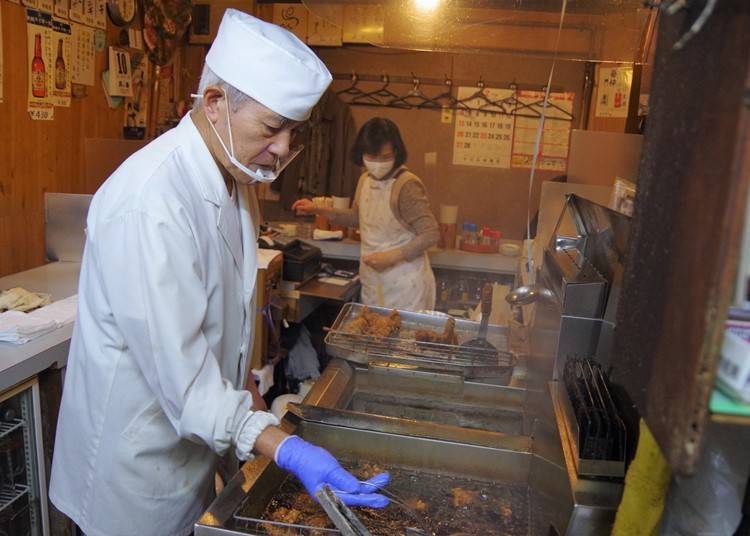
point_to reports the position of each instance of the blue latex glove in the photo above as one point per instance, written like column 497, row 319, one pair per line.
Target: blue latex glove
column 316, row 467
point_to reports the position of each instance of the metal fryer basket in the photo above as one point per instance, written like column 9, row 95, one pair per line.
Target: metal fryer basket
column 403, row 348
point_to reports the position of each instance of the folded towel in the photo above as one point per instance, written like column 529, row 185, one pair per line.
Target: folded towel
column 17, row 327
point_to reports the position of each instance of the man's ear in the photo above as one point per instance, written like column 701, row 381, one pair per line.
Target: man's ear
column 212, row 96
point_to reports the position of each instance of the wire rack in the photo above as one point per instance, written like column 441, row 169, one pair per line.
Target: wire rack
column 10, row 494
column 8, row 427
column 403, row 348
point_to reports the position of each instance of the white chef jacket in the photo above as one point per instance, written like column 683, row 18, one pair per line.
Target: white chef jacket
column 158, row 351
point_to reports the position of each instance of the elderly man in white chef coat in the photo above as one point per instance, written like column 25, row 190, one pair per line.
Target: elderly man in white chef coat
column 153, row 390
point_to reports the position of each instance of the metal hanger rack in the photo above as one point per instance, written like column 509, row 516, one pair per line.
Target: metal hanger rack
column 415, row 98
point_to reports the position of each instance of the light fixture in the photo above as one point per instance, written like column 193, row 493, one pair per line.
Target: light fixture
column 426, row 5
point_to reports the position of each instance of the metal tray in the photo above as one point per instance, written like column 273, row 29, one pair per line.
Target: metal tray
column 403, row 348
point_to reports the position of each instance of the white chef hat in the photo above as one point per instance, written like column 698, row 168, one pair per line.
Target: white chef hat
column 269, row 64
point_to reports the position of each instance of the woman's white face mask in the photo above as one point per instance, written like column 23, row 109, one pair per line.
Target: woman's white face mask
column 379, row 169
column 259, row 175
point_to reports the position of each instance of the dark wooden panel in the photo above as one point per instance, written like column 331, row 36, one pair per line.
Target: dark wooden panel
column 687, row 227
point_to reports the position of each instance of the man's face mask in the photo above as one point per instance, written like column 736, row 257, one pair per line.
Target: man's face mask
column 259, row 175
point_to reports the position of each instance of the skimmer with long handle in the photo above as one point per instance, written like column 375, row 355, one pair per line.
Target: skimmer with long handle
column 481, row 341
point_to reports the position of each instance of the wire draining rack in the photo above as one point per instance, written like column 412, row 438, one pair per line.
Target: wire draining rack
column 402, row 347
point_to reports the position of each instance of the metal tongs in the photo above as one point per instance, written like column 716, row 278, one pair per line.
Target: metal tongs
column 343, row 518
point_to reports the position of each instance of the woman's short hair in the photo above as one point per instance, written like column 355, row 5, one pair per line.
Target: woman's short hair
column 373, row 135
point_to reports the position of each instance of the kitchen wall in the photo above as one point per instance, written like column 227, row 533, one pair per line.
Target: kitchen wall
column 489, row 196
column 39, row 156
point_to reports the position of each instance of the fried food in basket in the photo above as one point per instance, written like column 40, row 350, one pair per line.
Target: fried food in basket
column 370, row 323
column 448, row 336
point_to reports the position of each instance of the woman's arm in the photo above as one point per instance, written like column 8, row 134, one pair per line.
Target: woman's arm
column 415, row 211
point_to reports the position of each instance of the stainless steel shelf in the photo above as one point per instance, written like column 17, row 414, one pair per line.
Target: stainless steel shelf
column 8, row 427
column 10, row 494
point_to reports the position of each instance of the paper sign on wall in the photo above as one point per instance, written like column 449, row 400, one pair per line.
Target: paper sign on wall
column 62, row 9
column 324, row 27
column 31, row 3
column 89, row 12
column 120, row 77
column 555, row 142
column 136, row 108
column 82, row 55
column 292, row 17
column 613, row 93
column 47, row 6
column 40, row 64
column 61, row 40
column 483, row 138
column 76, row 10
column 363, row 24
column 100, row 15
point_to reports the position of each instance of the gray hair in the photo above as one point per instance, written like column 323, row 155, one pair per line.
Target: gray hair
column 208, row 78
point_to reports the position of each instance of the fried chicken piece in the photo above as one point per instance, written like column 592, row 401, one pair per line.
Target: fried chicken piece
column 385, row 326
column 361, row 324
column 282, row 515
column 368, row 470
column 417, row 504
column 462, row 497
column 448, row 336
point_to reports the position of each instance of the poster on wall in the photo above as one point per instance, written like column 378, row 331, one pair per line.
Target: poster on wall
column 136, row 107
column 613, row 92
column 324, row 26
column 555, row 142
column 120, row 78
column 76, row 10
column 40, row 64
column 81, row 54
column 292, row 17
column 61, row 45
column 483, row 138
column 363, row 24
column 62, row 9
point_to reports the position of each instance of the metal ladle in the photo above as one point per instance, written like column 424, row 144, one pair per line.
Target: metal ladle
column 527, row 294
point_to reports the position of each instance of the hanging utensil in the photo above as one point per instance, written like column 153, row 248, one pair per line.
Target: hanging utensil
column 481, row 341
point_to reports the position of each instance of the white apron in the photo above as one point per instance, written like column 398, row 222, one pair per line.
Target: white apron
column 409, row 285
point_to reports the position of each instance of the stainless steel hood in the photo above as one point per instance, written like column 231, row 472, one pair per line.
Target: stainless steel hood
column 593, row 30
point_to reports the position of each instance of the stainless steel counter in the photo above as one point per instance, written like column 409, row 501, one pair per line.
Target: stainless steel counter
column 447, row 259
column 19, row 362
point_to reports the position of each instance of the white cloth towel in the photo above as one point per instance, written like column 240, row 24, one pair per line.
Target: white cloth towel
column 19, row 328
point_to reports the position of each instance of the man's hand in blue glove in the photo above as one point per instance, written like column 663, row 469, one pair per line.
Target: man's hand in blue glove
column 316, row 467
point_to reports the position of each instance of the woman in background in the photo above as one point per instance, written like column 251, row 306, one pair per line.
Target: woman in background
column 393, row 214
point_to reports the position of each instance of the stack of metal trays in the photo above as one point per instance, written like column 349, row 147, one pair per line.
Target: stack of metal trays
column 402, row 347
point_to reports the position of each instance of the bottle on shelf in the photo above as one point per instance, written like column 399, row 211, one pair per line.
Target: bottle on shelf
column 38, row 72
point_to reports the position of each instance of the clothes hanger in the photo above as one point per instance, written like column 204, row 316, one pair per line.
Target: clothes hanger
column 446, row 99
column 375, row 96
column 353, row 91
column 486, row 102
column 566, row 115
column 423, row 101
column 513, row 106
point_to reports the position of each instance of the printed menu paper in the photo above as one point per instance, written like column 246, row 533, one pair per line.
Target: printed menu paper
column 82, row 55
